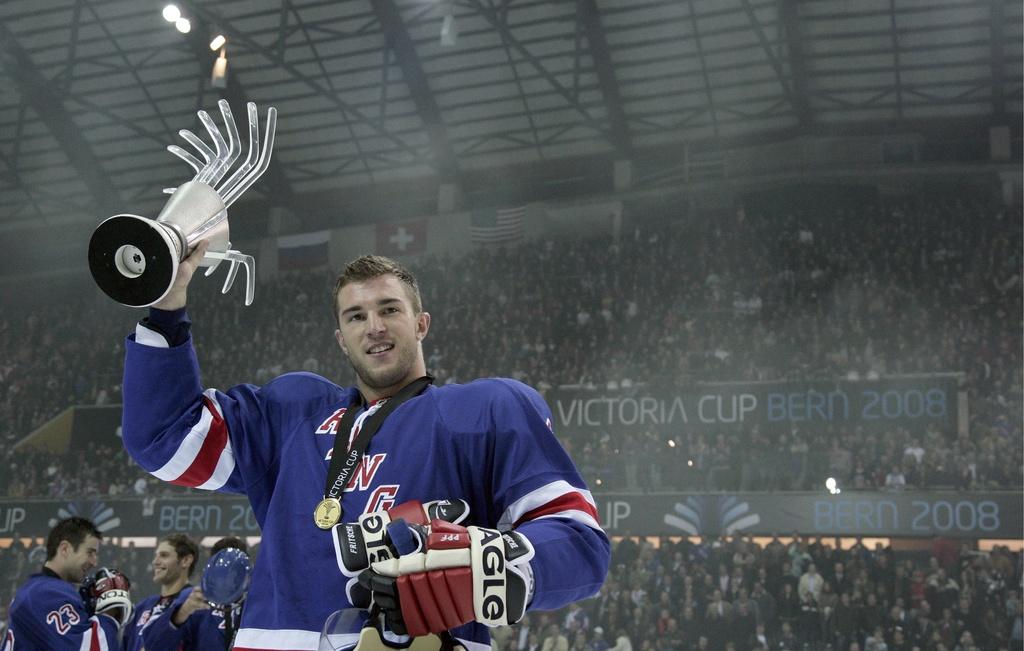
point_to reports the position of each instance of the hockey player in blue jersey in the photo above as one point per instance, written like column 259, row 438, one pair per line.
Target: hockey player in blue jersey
column 313, row 458
column 174, row 561
column 190, row 624
column 48, row 612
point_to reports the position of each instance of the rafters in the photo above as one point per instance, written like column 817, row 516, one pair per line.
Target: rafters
column 797, row 91
column 369, row 99
column 496, row 20
column 998, row 58
column 398, row 41
column 602, row 58
column 48, row 105
column 703, row 66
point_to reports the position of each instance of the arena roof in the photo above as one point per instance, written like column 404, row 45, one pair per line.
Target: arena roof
column 94, row 90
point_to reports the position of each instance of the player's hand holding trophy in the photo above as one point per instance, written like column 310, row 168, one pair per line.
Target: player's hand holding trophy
column 134, row 259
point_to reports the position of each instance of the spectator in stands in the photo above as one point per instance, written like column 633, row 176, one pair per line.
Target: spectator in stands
column 810, row 585
column 895, row 480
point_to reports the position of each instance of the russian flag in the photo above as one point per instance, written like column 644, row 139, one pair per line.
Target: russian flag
column 302, row 251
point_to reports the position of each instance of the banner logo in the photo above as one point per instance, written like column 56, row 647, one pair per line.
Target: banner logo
column 712, row 515
column 101, row 515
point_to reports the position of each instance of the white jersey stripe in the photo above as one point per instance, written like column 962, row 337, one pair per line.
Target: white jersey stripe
column 147, row 337
column 95, row 633
column 221, row 474
column 271, row 640
column 190, row 446
column 578, row 516
column 474, row 646
column 226, row 462
column 538, row 498
column 264, row 638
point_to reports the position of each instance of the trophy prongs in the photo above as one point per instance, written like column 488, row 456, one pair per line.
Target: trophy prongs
column 201, row 147
column 220, row 156
column 194, row 162
column 237, row 258
column 261, row 167
column 234, row 142
column 251, row 157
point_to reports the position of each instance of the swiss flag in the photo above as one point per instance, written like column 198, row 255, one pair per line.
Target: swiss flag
column 402, row 238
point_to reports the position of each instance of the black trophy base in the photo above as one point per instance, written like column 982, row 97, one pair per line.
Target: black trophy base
column 133, row 260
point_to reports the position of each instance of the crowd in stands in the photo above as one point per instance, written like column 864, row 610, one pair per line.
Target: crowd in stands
column 794, row 595
column 925, row 287
column 799, row 594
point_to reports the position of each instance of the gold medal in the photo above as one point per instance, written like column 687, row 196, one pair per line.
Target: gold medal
column 327, row 513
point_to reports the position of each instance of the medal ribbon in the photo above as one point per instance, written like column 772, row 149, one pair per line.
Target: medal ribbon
column 339, row 473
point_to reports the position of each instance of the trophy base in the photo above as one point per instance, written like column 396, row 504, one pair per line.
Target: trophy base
column 133, row 259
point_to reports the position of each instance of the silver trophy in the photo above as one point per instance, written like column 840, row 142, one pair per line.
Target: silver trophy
column 134, row 260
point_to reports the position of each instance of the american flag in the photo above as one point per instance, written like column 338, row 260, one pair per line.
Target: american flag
column 500, row 226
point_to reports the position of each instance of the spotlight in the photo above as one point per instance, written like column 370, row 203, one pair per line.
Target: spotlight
column 183, row 25
column 832, row 486
column 218, row 42
column 171, row 13
column 671, row 443
column 690, row 463
column 449, row 30
column 219, row 75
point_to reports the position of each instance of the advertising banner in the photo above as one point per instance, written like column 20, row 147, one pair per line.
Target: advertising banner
column 874, row 405
column 910, row 514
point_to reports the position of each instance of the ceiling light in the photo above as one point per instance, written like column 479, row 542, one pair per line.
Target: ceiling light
column 171, row 13
column 449, row 31
column 219, row 74
column 183, row 25
column 218, row 42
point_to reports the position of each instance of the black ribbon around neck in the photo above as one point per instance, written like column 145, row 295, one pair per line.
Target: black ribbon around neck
column 343, row 464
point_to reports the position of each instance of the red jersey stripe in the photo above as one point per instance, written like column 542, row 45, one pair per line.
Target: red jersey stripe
column 572, row 501
column 206, row 461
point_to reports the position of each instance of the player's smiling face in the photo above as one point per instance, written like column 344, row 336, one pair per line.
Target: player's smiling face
column 80, row 561
column 166, row 564
column 380, row 333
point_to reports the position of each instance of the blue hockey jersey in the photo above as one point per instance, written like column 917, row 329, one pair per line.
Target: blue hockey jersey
column 204, row 630
column 488, row 442
column 47, row 614
column 146, row 613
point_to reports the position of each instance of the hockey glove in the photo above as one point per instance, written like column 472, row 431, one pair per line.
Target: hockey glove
column 358, row 544
column 108, row 592
column 450, row 575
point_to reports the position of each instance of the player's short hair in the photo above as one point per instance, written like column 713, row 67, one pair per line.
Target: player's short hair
column 184, row 546
column 74, row 530
column 229, row 542
column 368, row 267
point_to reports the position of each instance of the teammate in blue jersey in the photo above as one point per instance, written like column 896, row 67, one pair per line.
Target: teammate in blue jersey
column 190, row 624
column 530, row 540
column 48, row 612
column 174, row 561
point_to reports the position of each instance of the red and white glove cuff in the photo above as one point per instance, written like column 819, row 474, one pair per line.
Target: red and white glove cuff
column 359, row 544
column 465, row 574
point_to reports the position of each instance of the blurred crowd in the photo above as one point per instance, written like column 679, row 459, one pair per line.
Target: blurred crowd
column 929, row 286
column 799, row 594
column 791, row 594
column 921, row 287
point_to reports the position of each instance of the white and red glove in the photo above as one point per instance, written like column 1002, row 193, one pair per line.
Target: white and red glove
column 358, row 544
column 108, row 592
column 448, row 575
